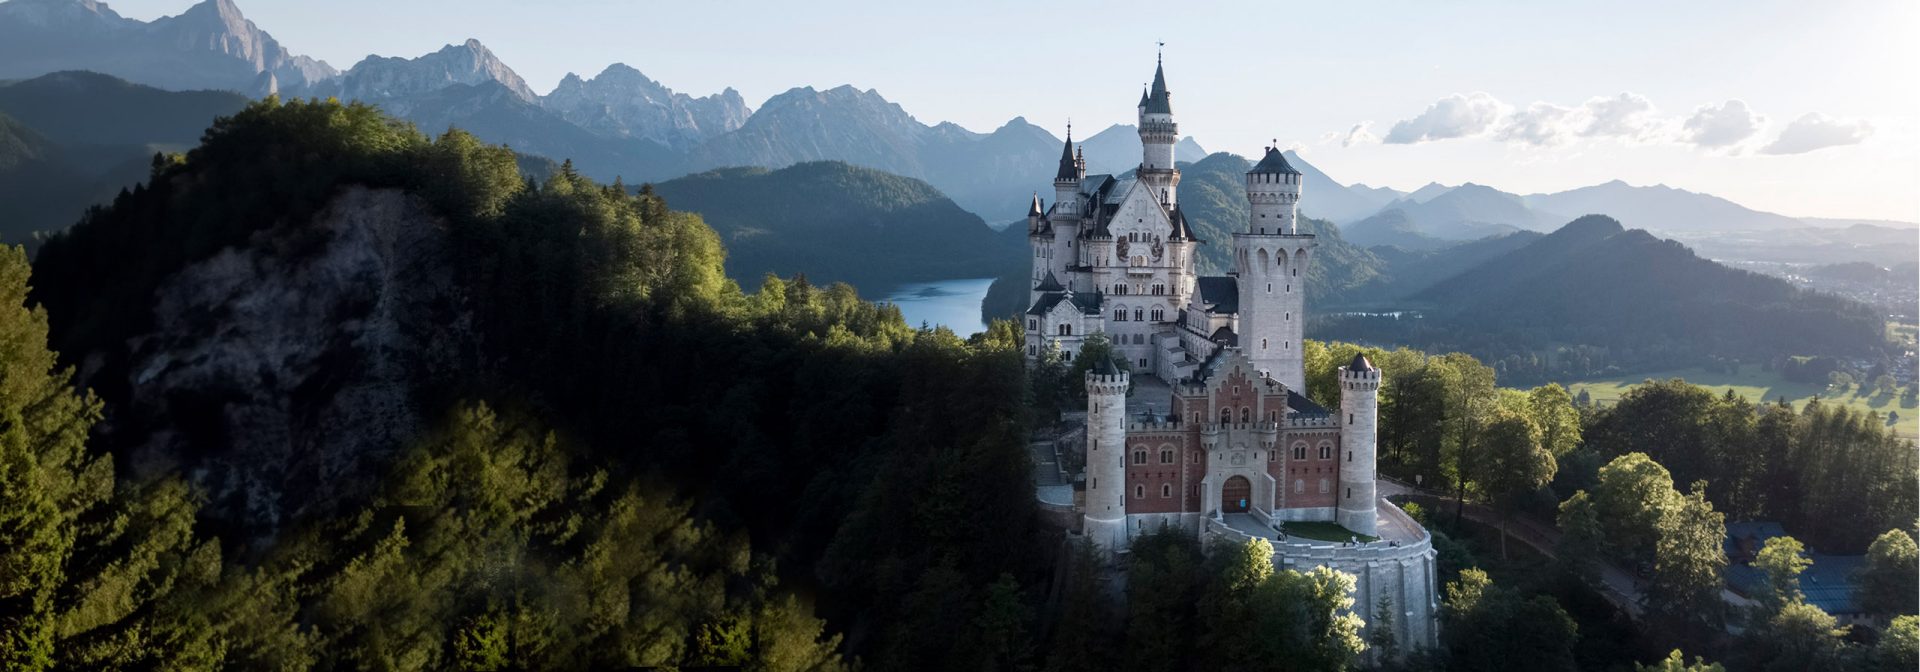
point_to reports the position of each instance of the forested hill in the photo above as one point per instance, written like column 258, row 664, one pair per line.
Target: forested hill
column 1646, row 301
column 379, row 400
column 832, row 221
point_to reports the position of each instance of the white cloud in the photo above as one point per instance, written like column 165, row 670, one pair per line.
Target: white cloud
column 1544, row 124
column 1628, row 116
column 1455, row 116
column 1360, row 134
column 1721, row 126
column 1817, row 131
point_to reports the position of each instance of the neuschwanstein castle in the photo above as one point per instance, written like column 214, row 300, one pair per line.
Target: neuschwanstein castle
column 1217, row 436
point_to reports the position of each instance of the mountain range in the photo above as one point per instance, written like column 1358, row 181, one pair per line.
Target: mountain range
column 622, row 123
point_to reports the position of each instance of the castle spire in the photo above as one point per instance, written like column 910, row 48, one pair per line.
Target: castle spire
column 1158, row 100
column 1068, row 170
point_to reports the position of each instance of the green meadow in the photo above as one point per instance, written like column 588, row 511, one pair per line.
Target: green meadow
column 1758, row 385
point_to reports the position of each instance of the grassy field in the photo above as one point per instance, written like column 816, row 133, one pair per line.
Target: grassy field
column 1323, row 531
column 1753, row 383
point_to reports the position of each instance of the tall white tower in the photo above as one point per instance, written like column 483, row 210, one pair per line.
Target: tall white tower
column 1270, row 263
column 1359, row 406
column 1158, row 133
column 1106, row 503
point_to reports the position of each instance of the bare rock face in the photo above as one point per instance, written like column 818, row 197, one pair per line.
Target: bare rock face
column 394, row 83
column 623, row 103
column 281, row 376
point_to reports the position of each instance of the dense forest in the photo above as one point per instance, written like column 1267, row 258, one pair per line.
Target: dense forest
column 637, row 463
column 509, row 421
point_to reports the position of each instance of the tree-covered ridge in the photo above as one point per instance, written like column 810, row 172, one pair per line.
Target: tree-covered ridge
column 833, row 221
column 860, row 460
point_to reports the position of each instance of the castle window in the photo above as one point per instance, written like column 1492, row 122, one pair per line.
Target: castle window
column 1166, row 456
column 1066, row 330
column 1143, row 360
column 1349, row 418
column 1349, row 493
column 1263, row 344
column 1326, row 452
column 1273, row 416
column 1139, row 457
column 1299, row 486
column 1273, row 456
column 1033, row 325
column 1159, row 289
column 1166, row 490
column 1033, row 350
column 1139, row 492
column 1323, row 486
column 1349, row 456
column 1246, row 414
column 1226, row 416
column 1158, row 314
column 1139, row 314
column 1296, row 271
column 1299, row 451
column 1120, row 315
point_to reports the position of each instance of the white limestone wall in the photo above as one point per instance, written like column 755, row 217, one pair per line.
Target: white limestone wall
column 1106, row 500
column 1272, row 293
column 1274, row 202
column 1359, row 407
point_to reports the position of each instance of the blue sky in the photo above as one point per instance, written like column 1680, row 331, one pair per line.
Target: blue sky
column 1809, row 109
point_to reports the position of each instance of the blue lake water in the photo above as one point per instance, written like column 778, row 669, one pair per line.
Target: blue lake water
column 954, row 304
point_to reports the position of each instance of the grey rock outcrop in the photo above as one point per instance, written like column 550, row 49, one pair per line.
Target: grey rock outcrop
column 623, row 103
column 280, row 376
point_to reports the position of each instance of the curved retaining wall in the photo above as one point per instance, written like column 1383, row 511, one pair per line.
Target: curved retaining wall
column 1402, row 573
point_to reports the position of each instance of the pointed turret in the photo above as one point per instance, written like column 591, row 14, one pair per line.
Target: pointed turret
column 1068, row 170
column 1033, row 210
column 1158, row 101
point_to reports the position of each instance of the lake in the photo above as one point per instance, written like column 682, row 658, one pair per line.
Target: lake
column 954, row 304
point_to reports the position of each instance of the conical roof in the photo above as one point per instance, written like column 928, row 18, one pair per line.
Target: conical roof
column 1068, row 169
column 1360, row 363
column 1158, row 100
column 1034, row 209
column 1049, row 284
column 1274, row 163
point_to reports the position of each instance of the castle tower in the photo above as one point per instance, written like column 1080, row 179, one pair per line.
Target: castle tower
column 1066, row 181
column 1359, row 405
column 1158, row 133
column 1270, row 262
column 1106, row 503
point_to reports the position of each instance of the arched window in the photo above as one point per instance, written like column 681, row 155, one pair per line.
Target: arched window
column 1166, row 490
column 1119, row 314
column 1066, row 330
column 1140, row 491
column 1273, row 416
column 1166, row 456
column 1159, row 315
column 1226, row 416
column 1159, row 289
column 1299, row 451
column 1326, row 451
column 1119, row 289
column 1246, row 414
column 1139, row 315
column 1140, row 457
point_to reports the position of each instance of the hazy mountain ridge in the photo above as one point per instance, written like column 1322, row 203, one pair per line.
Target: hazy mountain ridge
column 833, row 221
column 622, row 102
column 67, row 143
column 211, row 45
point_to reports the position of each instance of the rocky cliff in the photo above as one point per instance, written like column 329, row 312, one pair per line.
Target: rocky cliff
column 280, row 375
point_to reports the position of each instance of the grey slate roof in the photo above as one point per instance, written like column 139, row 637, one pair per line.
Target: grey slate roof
column 1158, row 100
column 1068, row 169
column 1222, row 292
column 1299, row 403
column 1274, row 163
column 1089, row 303
column 1034, row 210
column 1049, row 284
column 1360, row 363
column 1224, row 336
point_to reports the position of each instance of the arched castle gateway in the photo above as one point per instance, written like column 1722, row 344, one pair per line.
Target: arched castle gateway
column 1220, row 438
